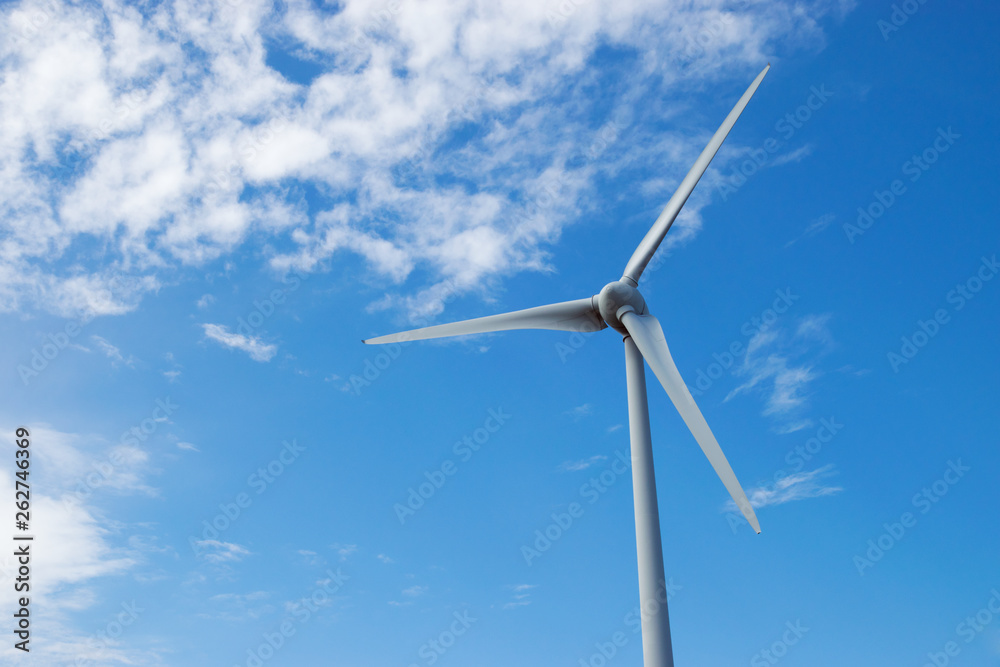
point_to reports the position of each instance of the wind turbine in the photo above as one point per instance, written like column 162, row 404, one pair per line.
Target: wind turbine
column 620, row 306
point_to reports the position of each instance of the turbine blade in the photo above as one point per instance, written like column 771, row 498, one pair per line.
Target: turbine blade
column 648, row 337
column 655, row 235
column 579, row 315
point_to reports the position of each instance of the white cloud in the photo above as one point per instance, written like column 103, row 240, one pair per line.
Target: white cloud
column 252, row 345
column 216, row 551
column 82, row 465
column 345, row 550
column 92, row 546
column 310, row 557
column 240, row 606
column 188, row 446
column 411, row 592
column 580, row 411
column 521, row 596
column 135, row 146
column 173, row 375
column 814, row 227
column 780, row 365
column 790, row 157
column 582, row 464
column 797, row 486
column 792, row 427
column 814, row 327
column 112, row 352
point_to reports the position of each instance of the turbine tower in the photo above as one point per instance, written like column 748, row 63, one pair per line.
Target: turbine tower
column 620, row 306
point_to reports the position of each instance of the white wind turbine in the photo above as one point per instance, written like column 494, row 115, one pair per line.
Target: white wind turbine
column 620, row 306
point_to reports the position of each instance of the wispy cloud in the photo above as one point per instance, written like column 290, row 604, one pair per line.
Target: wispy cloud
column 813, row 228
column 851, row 370
column 793, row 426
column 780, row 365
column 521, row 594
column 173, row 375
column 187, row 446
column 252, row 345
column 796, row 155
column 240, row 606
column 112, row 352
column 797, row 486
column 310, row 557
column 344, row 551
column 580, row 411
column 215, row 551
column 412, row 592
column 582, row 464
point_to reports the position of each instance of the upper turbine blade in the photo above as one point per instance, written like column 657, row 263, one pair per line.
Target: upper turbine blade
column 579, row 315
column 655, row 235
column 648, row 337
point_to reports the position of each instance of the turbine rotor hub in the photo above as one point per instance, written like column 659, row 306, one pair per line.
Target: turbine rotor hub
column 613, row 298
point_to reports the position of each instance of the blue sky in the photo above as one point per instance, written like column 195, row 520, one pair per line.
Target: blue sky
column 206, row 207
